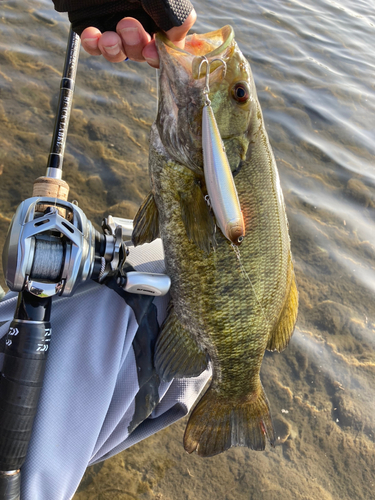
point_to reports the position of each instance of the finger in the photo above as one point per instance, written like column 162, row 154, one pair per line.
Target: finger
column 178, row 34
column 150, row 54
column 110, row 45
column 89, row 41
column 134, row 38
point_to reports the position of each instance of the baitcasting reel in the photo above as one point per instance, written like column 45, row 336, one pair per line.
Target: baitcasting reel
column 49, row 254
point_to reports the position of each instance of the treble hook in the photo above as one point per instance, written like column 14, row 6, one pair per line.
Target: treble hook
column 206, row 89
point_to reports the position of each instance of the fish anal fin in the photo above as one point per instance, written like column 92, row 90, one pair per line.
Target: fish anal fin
column 177, row 355
column 197, row 218
column 218, row 423
column 146, row 222
column 281, row 335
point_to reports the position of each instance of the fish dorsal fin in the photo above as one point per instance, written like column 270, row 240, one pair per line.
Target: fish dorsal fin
column 280, row 336
column 177, row 355
column 146, row 222
column 197, row 218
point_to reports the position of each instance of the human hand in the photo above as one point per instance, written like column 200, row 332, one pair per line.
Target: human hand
column 132, row 41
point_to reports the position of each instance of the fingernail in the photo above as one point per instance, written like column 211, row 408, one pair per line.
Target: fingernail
column 152, row 62
column 112, row 50
column 131, row 36
column 91, row 42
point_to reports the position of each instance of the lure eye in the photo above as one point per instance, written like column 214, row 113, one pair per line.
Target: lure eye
column 241, row 93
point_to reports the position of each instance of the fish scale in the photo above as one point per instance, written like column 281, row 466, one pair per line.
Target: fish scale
column 227, row 306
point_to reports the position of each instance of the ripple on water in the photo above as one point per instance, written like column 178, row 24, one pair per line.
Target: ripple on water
column 313, row 63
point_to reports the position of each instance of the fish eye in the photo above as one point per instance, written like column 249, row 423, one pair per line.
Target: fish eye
column 240, row 92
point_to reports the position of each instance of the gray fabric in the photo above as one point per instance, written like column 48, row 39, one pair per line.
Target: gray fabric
column 87, row 401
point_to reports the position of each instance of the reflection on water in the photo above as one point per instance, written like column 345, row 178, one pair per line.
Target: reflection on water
column 314, row 65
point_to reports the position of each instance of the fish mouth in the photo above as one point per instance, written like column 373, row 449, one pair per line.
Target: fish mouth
column 210, row 45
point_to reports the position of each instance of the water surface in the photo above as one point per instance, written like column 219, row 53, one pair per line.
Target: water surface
column 313, row 62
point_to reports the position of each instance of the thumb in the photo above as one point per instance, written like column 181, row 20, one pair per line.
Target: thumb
column 178, row 34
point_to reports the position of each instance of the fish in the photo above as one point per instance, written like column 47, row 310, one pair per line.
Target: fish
column 229, row 304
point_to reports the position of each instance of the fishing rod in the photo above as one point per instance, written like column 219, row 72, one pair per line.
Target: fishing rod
column 51, row 248
column 29, row 335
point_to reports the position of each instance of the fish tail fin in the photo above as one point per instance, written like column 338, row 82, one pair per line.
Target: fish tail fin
column 217, row 423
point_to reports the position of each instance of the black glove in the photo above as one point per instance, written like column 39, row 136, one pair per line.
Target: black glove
column 154, row 15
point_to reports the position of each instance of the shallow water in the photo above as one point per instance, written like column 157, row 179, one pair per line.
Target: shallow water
column 313, row 62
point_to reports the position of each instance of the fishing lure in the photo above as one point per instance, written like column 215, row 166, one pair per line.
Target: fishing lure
column 220, row 185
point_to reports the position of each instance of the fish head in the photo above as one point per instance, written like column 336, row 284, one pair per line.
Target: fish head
column 182, row 81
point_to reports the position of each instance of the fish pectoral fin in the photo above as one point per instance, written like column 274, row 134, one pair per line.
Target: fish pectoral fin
column 177, row 355
column 146, row 222
column 217, row 423
column 197, row 218
column 281, row 335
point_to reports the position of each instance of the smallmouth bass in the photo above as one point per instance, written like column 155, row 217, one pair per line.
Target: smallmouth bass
column 221, row 311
